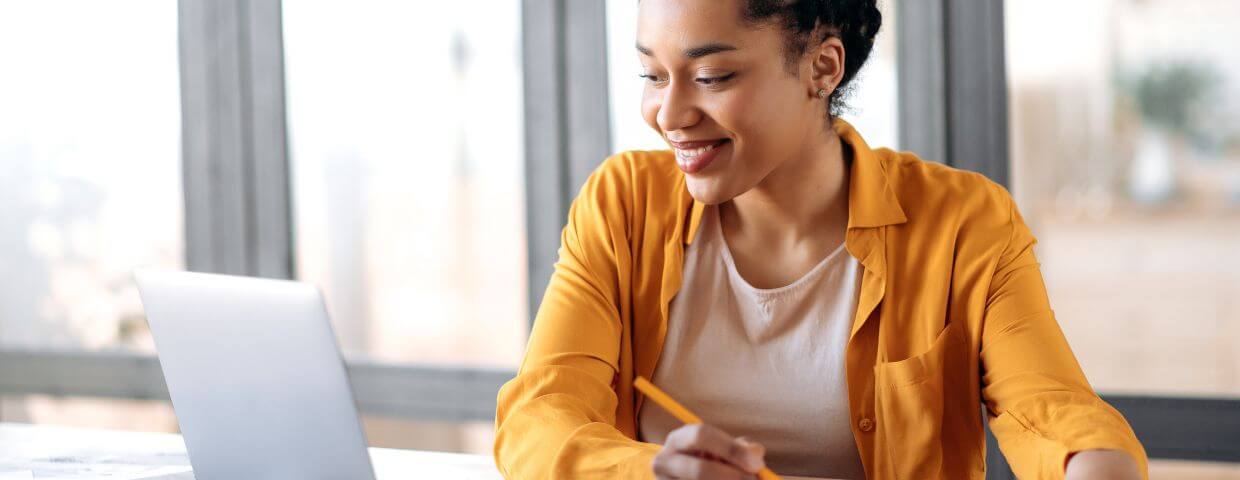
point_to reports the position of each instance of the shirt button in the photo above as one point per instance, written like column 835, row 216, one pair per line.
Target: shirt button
column 866, row 425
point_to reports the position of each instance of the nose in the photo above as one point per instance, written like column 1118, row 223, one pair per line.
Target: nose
column 677, row 109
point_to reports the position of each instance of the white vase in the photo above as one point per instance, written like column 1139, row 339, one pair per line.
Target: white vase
column 1152, row 178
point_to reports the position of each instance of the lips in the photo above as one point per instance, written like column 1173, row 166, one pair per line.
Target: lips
column 693, row 157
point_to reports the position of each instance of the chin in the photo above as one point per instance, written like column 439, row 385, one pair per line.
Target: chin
column 708, row 191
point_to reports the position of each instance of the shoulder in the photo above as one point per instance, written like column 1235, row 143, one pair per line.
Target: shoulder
column 637, row 189
column 931, row 192
column 639, row 170
column 635, row 179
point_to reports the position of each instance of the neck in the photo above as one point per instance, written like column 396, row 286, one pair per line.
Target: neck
column 803, row 198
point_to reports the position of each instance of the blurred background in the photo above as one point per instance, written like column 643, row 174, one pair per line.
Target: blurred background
column 415, row 160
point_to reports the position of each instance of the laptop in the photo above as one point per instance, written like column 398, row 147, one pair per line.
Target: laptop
column 256, row 377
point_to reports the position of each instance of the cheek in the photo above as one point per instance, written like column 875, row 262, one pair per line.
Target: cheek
column 768, row 124
column 768, row 128
column 762, row 114
column 746, row 117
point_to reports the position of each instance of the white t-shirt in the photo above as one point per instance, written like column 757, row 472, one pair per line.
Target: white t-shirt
column 767, row 364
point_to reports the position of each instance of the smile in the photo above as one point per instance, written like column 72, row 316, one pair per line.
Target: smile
column 693, row 157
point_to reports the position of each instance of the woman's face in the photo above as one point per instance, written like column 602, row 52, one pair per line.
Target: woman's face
column 722, row 95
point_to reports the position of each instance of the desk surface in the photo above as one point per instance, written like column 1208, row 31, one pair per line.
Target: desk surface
column 45, row 452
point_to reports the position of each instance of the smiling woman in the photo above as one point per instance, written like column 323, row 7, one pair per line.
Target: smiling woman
column 828, row 309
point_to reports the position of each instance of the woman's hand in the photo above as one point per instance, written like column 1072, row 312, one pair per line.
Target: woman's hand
column 1102, row 464
column 702, row 451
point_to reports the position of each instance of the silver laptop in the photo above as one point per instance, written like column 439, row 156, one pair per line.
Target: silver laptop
column 256, row 378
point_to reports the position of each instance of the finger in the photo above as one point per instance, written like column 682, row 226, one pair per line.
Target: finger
column 700, row 438
column 689, row 467
column 755, row 453
column 659, row 464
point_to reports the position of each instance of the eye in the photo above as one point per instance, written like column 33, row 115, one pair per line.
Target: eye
column 651, row 78
column 709, row 81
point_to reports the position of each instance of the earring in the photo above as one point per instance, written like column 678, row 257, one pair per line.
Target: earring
column 822, row 93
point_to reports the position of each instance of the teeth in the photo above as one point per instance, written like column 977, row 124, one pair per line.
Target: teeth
column 691, row 153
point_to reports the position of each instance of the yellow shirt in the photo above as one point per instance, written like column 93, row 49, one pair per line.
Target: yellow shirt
column 952, row 312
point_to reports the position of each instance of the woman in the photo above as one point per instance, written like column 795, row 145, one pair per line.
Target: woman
column 844, row 310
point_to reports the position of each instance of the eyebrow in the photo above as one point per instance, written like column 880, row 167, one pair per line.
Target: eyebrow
column 695, row 52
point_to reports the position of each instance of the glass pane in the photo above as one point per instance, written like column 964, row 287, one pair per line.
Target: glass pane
column 628, row 130
column 405, row 125
column 90, row 180
column 90, row 412
column 459, row 437
column 873, row 100
column 1126, row 163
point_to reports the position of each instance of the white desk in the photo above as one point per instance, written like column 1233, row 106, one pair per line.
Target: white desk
column 59, row 453
column 43, row 452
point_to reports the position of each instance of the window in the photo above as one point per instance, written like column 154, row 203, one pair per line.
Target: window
column 90, row 185
column 1125, row 165
column 406, row 149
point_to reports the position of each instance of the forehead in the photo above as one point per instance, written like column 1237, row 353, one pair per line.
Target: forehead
column 669, row 26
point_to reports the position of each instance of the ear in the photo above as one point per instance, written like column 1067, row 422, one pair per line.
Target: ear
column 826, row 65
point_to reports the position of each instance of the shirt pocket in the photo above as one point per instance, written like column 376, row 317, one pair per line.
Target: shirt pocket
column 909, row 402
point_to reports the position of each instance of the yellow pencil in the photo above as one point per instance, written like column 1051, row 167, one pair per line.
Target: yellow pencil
column 683, row 414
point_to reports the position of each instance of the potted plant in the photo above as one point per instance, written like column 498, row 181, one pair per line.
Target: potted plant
column 1170, row 99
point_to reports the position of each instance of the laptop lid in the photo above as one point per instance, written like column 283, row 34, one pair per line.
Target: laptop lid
column 256, row 377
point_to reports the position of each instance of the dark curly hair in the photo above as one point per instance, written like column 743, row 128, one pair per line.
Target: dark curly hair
column 854, row 22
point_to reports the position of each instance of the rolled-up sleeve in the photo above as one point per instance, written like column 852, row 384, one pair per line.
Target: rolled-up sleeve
column 1042, row 409
column 556, row 418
